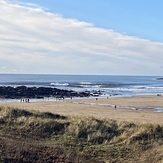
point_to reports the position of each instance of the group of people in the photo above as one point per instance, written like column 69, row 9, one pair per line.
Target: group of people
column 25, row 100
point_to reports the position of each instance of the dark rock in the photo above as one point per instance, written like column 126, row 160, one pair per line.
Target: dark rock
column 40, row 92
column 160, row 78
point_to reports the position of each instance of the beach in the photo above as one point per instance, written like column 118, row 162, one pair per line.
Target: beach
column 136, row 109
column 113, row 129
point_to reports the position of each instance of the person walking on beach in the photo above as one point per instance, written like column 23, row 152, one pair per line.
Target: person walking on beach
column 115, row 107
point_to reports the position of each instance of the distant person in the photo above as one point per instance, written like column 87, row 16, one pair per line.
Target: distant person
column 115, row 107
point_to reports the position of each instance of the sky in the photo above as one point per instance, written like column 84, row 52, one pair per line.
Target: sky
column 107, row 37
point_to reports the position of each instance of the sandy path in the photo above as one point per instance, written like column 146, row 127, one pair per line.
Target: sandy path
column 96, row 108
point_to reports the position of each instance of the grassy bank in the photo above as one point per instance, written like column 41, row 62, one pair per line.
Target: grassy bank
column 45, row 137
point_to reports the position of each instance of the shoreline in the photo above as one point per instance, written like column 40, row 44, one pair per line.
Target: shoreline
column 100, row 108
column 96, row 101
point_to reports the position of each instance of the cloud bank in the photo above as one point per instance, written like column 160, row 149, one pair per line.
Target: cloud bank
column 33, row 40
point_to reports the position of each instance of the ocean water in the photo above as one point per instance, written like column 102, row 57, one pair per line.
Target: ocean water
column 109, row 85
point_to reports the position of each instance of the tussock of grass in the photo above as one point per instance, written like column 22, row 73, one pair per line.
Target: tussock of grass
column 93, row 130
column 22, row 123
column 45, row 137
column 148, row 132
column 50, row 115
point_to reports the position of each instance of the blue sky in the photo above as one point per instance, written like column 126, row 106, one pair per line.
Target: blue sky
column 81, row 37
column 142, row 18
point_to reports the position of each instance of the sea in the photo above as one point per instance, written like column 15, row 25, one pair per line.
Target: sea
column 108, row 85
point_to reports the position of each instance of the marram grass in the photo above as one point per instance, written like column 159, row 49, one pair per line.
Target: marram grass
column 45, row 137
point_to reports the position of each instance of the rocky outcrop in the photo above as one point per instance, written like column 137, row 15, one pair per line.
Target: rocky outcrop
column 160, row 78
column 38, row 92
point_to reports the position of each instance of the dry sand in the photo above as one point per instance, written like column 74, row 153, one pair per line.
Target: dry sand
column 101, row 108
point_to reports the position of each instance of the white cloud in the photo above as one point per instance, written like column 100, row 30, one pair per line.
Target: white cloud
column 33, row 40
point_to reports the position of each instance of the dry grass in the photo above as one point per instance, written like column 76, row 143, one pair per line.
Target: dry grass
column 30, row 136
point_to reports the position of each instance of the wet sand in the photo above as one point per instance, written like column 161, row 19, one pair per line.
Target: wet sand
column 137, row 109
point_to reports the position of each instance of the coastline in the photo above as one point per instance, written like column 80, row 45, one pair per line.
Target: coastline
column 101, row 108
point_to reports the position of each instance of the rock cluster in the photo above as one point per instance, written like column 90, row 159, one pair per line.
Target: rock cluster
column 38, row 92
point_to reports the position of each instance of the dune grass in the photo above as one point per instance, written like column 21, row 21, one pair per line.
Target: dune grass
column 27, row 136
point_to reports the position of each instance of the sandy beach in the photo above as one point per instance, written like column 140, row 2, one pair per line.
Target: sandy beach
column 137, row 109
